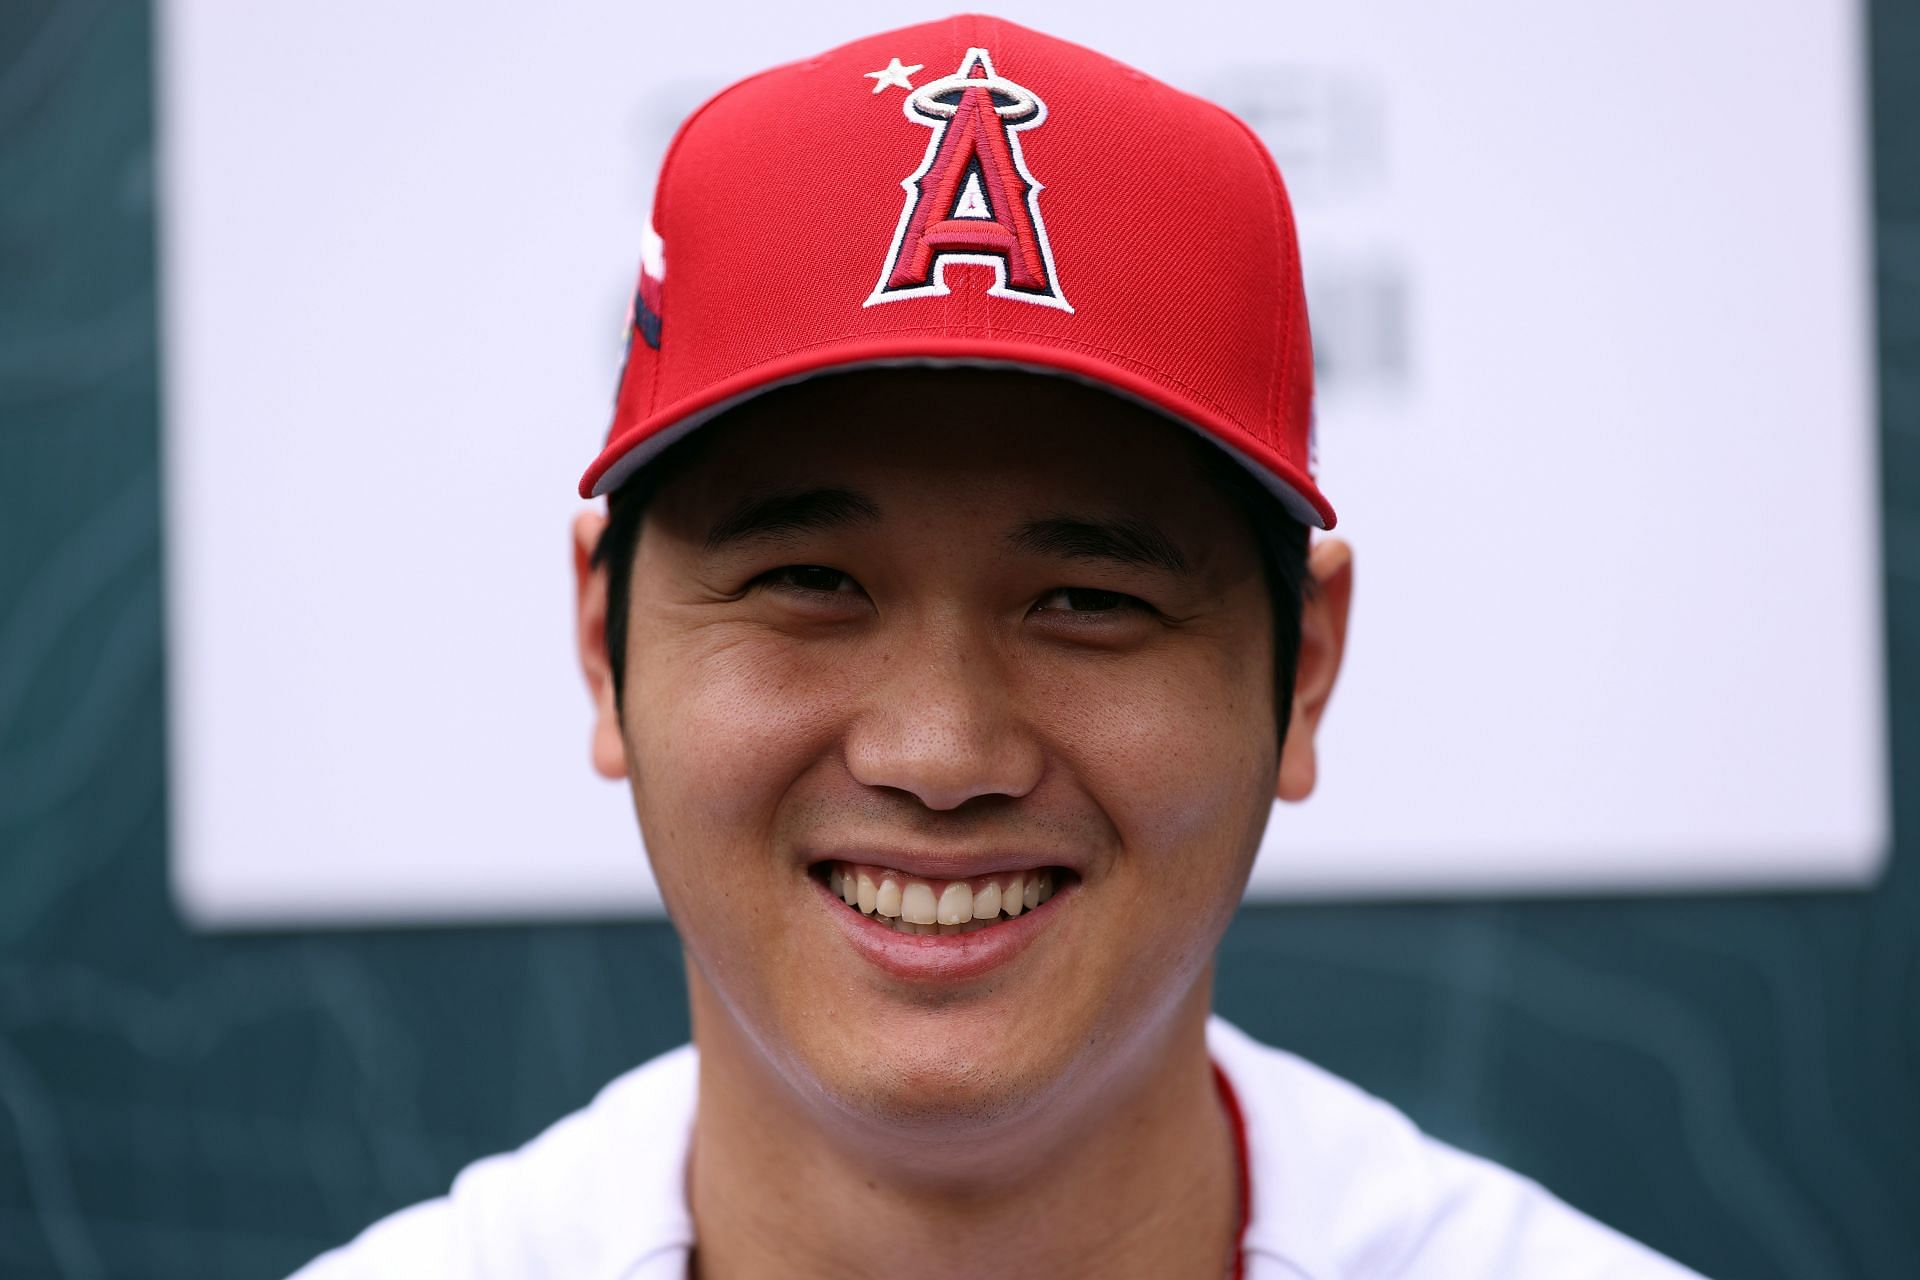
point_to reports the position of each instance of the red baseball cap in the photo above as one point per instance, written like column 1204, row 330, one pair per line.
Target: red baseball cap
column 970, row 192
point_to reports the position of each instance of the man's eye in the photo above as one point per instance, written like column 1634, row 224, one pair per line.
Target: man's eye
column 1088, row 600
column 807, row 577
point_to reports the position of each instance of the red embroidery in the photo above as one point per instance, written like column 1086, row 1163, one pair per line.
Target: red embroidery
column 972, row 199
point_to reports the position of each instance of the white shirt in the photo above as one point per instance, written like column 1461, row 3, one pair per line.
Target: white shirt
column 1341, row 1186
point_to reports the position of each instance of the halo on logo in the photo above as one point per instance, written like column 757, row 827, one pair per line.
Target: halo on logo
column 939, row 99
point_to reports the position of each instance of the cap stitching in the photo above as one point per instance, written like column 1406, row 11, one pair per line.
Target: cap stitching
column 1290, row 258
column 657, row 214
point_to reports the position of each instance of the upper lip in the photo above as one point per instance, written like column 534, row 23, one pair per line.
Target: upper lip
column 963, row 865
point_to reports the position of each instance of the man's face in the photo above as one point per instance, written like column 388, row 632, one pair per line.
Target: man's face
column 949, row 628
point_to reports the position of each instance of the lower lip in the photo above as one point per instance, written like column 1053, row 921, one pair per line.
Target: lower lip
column 953, row 957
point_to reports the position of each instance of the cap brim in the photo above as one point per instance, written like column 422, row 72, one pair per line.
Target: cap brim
column 629, row 450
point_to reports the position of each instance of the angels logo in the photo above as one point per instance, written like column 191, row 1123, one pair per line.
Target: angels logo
column 972, row 199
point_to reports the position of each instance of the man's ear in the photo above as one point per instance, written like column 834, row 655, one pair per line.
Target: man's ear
column 1323, row 641
column 607, row 747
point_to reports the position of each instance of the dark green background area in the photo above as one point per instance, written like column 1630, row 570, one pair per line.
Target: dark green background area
column 1732, row 1079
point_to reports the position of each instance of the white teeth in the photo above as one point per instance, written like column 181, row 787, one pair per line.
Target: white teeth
column 942, row 907
column 916, row 903
column 956, row 904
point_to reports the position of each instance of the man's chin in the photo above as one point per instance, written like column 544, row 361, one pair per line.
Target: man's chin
column 923, row 1086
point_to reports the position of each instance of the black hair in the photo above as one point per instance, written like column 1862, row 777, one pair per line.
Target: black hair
column 620, row 539
column 1280, row 540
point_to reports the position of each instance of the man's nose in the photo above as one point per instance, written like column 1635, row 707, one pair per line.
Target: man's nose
column 942, row 723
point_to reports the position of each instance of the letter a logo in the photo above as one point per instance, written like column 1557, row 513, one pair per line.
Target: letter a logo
column 972, row 199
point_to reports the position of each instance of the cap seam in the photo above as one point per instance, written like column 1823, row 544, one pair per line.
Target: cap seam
column 1289, row 249
column 657, row 214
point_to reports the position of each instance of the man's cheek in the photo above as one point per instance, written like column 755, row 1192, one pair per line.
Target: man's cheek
column 747, row 721
column 1168, row 754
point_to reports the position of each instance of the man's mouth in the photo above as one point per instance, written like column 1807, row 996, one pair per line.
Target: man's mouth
column 912, row 904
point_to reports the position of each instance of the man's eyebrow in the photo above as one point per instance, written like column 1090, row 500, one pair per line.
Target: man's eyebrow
column 790, row 512
column 1136, row 543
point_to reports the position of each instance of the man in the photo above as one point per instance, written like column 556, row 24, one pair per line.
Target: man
column 954, row 625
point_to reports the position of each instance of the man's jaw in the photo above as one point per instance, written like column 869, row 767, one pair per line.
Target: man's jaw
column 915, row 904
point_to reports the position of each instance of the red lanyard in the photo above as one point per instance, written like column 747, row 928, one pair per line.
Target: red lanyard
column 1239, row 1125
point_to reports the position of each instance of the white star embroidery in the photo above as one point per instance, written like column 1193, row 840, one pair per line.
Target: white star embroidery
column 893, row 74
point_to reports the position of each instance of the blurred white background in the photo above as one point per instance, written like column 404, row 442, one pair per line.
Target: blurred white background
column 1596, row 412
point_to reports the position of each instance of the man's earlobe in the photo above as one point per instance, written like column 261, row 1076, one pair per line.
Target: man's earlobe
column 607, row 747
column 1323, row 642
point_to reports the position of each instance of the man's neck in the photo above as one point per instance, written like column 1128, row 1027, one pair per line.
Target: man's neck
column 1141, row 1181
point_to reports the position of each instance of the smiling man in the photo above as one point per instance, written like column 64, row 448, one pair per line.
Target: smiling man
column 954, row 624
